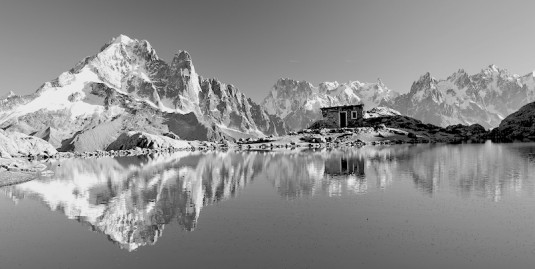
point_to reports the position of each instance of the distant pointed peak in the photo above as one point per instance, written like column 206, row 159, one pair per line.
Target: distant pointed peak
column 426, row 76
column 493, row 68
column 120, row 39
column 183, row 55
column 380, row 83
column 123, row 39
column 288, row 79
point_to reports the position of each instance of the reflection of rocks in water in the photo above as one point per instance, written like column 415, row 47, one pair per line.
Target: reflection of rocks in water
column 131, row 199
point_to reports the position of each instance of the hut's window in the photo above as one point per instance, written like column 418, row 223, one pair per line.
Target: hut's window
column 354, row 114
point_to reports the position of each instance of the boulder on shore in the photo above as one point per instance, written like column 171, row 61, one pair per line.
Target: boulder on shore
column 133, row 139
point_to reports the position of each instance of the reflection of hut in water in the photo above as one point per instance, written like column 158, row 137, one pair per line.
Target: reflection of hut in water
column 344, row 165
column 345, row 174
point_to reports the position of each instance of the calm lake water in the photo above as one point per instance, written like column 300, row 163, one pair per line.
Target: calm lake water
column 408, row 206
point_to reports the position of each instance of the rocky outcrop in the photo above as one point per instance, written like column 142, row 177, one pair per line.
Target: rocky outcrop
column 377, row 112
column 467, row 131
column 519, row 126
column 13, row 144
column 450, row 134
column 132, row 140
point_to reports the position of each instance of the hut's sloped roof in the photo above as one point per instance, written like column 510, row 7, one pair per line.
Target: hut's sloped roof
column 342, row 107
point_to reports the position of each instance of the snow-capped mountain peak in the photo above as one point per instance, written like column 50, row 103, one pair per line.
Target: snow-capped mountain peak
column 122, row 39
column 126, row 74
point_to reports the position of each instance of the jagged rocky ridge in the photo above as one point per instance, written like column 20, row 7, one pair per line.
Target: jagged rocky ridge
column 484, row 98
column 298, row 103
column 126, row 87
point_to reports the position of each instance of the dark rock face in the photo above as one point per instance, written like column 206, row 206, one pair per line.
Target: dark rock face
column 226, row 105
column 519, row 126
column 485, row 98
column 50, row 135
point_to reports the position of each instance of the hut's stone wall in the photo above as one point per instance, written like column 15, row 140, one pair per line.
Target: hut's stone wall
column 354, row 115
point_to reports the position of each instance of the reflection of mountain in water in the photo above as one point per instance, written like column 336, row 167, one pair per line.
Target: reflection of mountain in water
column 131, row 199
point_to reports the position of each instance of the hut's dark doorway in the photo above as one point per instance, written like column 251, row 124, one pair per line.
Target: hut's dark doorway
column 343, row 119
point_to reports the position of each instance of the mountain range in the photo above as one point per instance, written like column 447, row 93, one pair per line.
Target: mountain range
column 126, row 87
column 485, row 98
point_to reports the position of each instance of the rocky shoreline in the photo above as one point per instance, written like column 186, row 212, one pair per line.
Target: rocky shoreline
column 23, row 166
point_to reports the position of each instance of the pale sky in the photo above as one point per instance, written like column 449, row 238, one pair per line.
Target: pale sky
column 252, row 43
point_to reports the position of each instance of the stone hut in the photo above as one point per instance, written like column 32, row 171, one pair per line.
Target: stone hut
column 343, row 116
